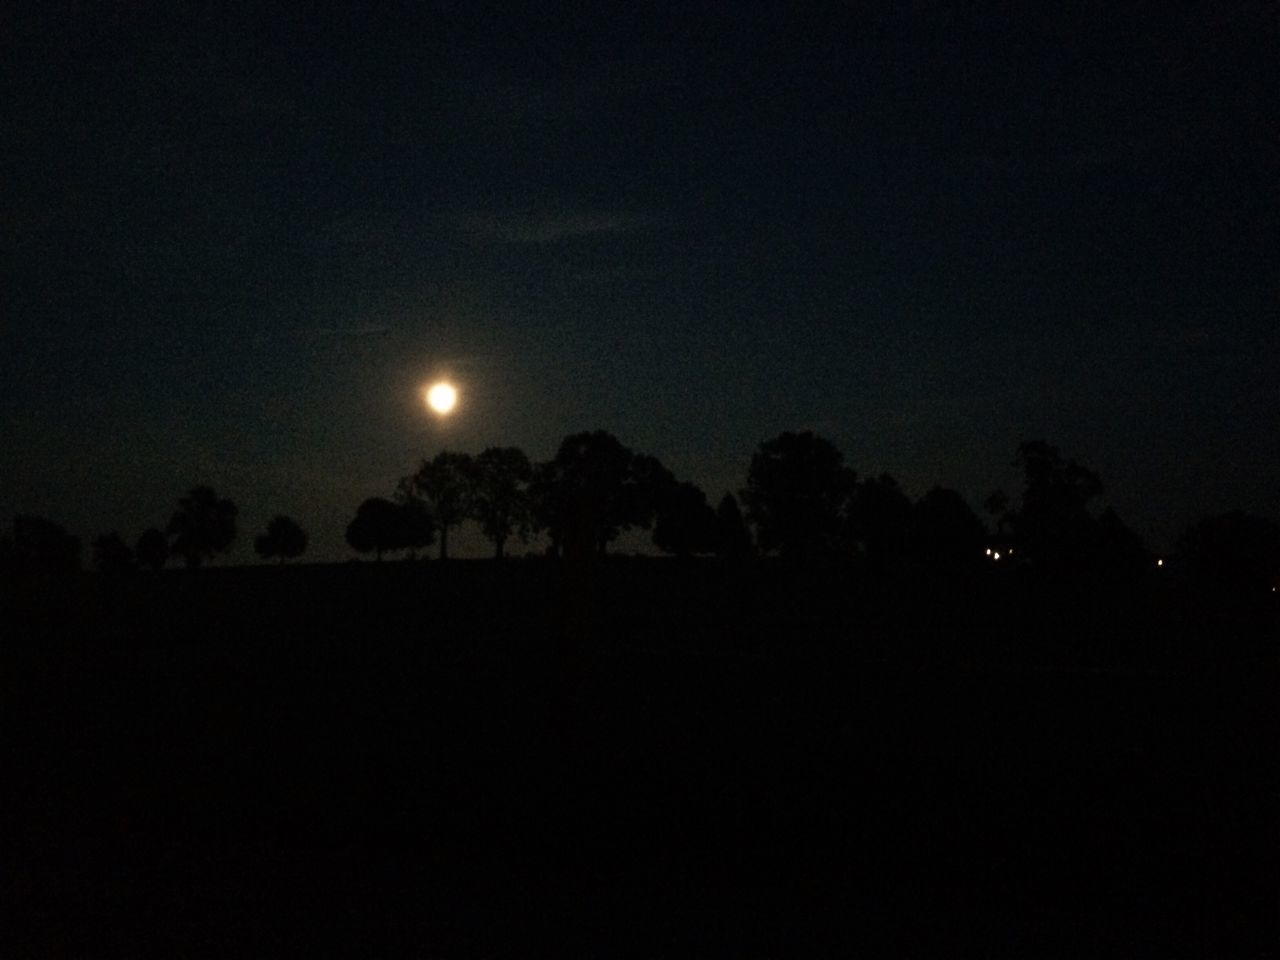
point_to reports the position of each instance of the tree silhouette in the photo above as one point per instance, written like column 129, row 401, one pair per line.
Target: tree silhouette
column 381, row 525
column 443, row 484
column 879, row 516
column 203, row 526
column 997, row 504
column 796, row 495
column 593, row 489
column 284, row 540
column 152, row 549
column 1233, row 550
column 40, row 547
column 733, row 538
column 499, row 498
column 685, row 523
column 1054, row 525
column 112, row 556
column 944, row 532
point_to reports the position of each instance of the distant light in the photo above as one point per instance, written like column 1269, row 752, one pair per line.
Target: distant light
column 442, row 397
column 995, row 556
column 1011, row 551
column 1159, row 563
column 988, row 551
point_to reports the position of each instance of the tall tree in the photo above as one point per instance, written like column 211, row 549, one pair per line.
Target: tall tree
column 879, row 515
column 203, row 526
column 443, row 484
column 945, row 532
column 499, row 496
column 595, row 488
column 152, row 549
column 796, row 495
column 1053, row 524
column 284, row 540
column 733, row 537
column 40, row 547
column 685, row 523
column 112, row 556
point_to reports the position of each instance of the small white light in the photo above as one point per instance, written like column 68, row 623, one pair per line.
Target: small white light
column 1011, row 551
column 988, row 551
column 995, row 556
column 1159, row 563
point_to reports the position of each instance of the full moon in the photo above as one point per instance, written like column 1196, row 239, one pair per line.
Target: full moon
column 442, row 397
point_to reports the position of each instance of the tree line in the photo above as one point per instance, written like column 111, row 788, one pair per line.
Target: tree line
column 800, row 501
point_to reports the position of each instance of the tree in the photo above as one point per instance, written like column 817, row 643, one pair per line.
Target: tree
column 796, row 495
column 112, row 556
column 593, row 489
column 283, row 540
column 499, row 497
column 733, row 538
column 879, row 515
column 40, row 547
column 152, row 549
column 1054, row 525
column 381, row 525
column 944, row 531
column 685, row 522
column 1235, row 550
column 997, row 504
column 203, row 526
column 443, row 485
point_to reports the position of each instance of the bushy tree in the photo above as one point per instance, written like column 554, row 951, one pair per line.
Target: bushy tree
column 381, row 526
column 1053, row 524
column 1235, row 550
column 796, row 495
column 40, row 547
column 203, row 526
column 500, row 500
column 685, row 523
column 284, row 540
column 112, row 556
column 879, row 515
column 443, row 485
column 733, row 537
column 944, row 531
column 152, row 549
column 593, row 489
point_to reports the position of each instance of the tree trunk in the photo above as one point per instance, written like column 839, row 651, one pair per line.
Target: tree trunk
column 444, row 541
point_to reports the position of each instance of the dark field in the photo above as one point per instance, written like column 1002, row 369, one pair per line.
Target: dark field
column 645, row 758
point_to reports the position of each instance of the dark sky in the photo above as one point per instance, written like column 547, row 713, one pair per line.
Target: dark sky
column 235, row 243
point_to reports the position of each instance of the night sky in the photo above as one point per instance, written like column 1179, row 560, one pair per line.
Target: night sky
column 236, row 243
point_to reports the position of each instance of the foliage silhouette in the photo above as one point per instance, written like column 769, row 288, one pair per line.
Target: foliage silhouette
column 152, row 549
column 1054, row 525
column 203, row 526
column 500, row 501
column 879, row 516
column 284, row 540
column 593, row 489
column 945, row 533
column 443, row 485
column 733, row 537
column 112, row 556
column 1234, row 550
column 40, row 547
column 685, row 523
column 796, row 495
column 997, row 504
column 381, row 526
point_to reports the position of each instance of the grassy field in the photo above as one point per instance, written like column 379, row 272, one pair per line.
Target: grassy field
column 638, row 758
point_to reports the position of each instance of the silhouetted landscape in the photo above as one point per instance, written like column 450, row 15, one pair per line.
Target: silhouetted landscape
column 639, row 480
column 843, row 721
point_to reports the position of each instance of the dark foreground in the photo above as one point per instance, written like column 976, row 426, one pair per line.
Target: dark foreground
column 645, row 759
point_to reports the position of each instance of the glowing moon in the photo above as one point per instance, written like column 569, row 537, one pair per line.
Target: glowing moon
column 442, row 397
